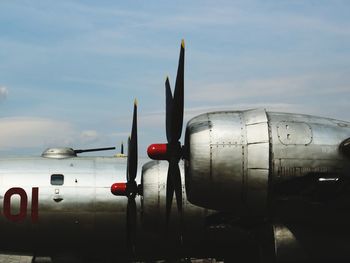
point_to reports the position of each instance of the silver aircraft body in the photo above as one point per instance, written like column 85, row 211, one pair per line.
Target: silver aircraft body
column 246, row 186
column 62, row 206
column 60, row 202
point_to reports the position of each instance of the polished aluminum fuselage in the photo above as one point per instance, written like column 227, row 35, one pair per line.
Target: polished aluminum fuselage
column 80, row 213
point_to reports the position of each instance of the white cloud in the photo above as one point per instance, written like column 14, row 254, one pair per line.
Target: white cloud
column 3, row 92
column 32, row 134
column 26, row 132
column 89, row 136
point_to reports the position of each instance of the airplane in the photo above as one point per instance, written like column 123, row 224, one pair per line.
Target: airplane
column 246, row 186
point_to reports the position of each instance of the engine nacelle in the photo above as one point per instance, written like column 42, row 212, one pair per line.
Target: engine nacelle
column 228, row 161
column 237, row 161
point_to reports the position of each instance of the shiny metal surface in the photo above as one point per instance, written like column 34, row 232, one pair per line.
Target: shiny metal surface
column 59, row 153
column 258, row 155
column 81, row 212
column 228, row 161
column 214, row 169
column 234, row 158
column 313, row 145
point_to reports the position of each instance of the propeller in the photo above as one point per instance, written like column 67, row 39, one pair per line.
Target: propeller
column 130, row 188
column 172, row 150
column 122, row 148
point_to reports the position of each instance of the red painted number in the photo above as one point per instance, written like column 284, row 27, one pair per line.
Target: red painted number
column 22, row 214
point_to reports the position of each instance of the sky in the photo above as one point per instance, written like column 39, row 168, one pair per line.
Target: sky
column 70, row 70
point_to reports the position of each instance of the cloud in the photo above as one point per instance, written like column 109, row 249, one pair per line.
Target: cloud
column 28, row 135
column 89, row 136
column 3, row 92
column 278, row 87
column 27, row 132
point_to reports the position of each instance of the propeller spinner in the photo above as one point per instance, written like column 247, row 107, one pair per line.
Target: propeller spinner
column 172, row 150
column 130, row 188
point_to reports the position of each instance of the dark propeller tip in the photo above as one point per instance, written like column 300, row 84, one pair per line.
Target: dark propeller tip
column 132, row 148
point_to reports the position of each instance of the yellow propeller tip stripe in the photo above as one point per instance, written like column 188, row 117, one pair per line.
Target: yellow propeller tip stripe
column 135, row 102
column 183, row 43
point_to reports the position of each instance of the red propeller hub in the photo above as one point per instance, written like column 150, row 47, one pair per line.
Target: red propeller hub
column 158, row 151
column 119, row 189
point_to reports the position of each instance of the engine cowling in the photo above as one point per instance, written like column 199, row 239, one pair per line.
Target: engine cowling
column 227, row 165
column 238, row 161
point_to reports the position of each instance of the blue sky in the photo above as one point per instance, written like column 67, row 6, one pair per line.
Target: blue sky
column 70, row 70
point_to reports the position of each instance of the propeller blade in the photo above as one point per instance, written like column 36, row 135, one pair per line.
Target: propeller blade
column 174, row 122
column 131, row 225
column 168, row 110
column 128, row 161
column 177, row 185
column 173, row 186
column 178, row 100
column 169, row 194
column 130, row 188
column 131, row 185
column 132, row 150
column 172, row 151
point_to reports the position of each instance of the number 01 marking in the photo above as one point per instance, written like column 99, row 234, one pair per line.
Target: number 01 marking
column 23, row 204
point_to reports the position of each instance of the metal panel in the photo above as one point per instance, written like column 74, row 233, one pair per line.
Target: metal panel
column 225, row 128
column 255, row 116
column 200, row 155
column 226, row 173
column 294, row 133
column 258, row 161
column 223, row 147
column 214, row 174
column 258, row 156
column 257, row 133
column 312, row 146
